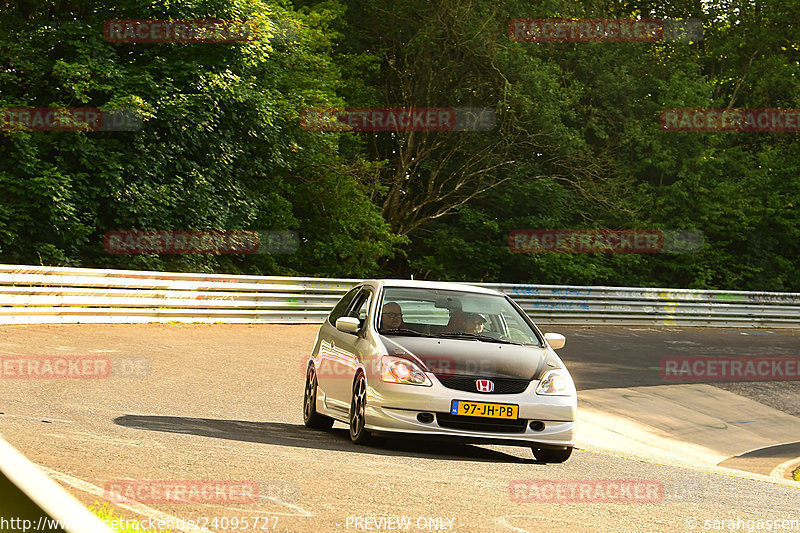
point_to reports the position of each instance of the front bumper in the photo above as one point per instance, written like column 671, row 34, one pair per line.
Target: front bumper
column 392, row 409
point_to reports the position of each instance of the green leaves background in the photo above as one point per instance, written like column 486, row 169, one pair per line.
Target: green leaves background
column 578, row 144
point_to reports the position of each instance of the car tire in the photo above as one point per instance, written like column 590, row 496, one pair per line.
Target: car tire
column 311, row 418
column 552, row 456
column 358, row 408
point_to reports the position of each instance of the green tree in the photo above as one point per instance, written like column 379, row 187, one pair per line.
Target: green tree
column 221, row 146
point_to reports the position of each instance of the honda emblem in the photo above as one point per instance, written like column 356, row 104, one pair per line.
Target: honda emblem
column 484, row 385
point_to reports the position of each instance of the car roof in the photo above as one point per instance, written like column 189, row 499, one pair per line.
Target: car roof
column 416, row 284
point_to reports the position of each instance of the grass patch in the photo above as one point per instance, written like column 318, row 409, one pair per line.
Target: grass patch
column 796, row 474
column 116, row 521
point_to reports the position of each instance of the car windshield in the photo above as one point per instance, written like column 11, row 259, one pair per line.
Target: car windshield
column 452, row 314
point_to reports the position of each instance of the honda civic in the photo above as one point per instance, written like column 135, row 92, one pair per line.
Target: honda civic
column 446, row 361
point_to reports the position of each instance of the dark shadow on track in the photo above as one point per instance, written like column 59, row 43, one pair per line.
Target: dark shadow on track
column 607, row 357
column 282, row 434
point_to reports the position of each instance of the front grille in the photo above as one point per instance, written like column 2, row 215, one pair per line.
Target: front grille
column 473, row 423
column 467, row 384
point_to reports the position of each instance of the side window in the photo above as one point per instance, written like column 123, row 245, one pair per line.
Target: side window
column 341, row 307
column 362, row 312
column 360, row 305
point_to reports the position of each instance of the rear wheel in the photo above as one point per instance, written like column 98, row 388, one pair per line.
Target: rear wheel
column 552, row 456
column 358, row 409
column 311, row 418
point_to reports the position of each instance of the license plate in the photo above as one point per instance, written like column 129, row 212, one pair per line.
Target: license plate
column 485, row 410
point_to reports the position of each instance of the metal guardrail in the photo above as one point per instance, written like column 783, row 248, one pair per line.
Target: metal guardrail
column 41, row 295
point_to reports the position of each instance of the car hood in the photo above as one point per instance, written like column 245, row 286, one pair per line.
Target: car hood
column 464, row 357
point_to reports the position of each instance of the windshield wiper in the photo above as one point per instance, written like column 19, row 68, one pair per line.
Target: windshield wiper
column 476, row 336
column 403, row 331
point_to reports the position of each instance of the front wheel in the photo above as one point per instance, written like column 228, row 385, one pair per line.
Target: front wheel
column 552, row 456
column 358, row 409
column 311, row 418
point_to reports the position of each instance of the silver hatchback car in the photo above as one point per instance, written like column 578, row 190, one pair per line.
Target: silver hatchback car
column 443, row 361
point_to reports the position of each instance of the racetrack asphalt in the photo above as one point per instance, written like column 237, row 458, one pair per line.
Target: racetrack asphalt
column 223, row 403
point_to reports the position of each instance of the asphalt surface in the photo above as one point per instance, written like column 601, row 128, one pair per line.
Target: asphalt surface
column 763, row 460
column 601, row 357
column 222, row 403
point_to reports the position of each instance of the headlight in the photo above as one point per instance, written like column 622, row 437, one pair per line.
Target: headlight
column 397, row 370
column 556, row 383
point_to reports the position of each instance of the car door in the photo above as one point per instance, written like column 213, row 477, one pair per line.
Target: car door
column 326, row 339
column 343, row 354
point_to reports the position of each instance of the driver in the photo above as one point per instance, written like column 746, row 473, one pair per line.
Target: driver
column 392, row 316
column 474, row 323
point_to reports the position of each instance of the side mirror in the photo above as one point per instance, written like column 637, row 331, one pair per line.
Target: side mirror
column 348, row 324
column 555, row 340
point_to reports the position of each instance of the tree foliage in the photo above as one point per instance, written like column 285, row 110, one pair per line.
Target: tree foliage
column 577, row 142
